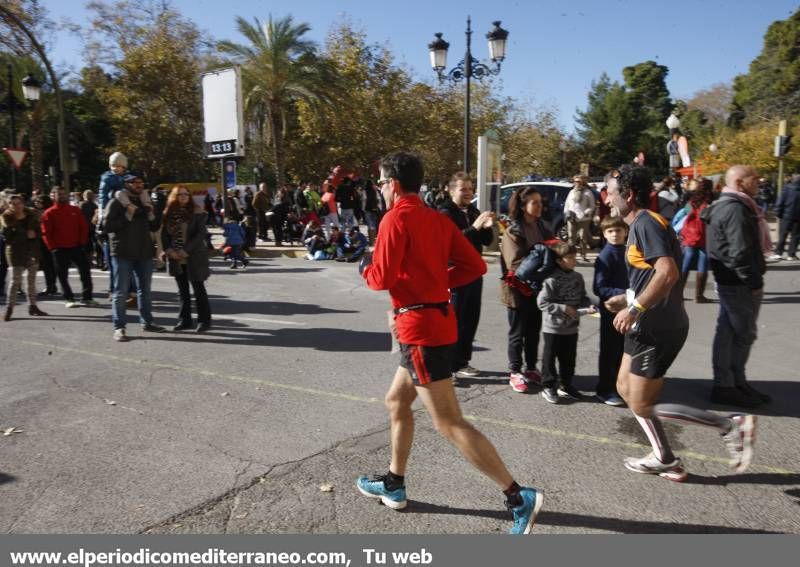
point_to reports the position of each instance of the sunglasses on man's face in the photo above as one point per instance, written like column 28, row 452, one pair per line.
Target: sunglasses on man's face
column 381, row 182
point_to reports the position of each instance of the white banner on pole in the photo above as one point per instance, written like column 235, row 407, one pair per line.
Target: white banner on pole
column 223, row 113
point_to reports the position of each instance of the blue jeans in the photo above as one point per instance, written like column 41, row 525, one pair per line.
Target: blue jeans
column 348, row 218
column 689, row 255
column 107, row 259
column 142, row 272
column 735, row 334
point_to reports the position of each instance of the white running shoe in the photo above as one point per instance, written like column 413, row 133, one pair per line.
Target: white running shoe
column 651, row 465
column 740, row 440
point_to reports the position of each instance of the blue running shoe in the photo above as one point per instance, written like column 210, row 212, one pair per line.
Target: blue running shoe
column 374, row 487
column 525, row 514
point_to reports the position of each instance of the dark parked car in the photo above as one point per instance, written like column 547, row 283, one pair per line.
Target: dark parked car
column 554, row 193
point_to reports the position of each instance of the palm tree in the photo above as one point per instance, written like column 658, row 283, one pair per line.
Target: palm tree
column 279, row 69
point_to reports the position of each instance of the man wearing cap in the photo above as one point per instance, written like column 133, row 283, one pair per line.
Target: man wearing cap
column 131, row 247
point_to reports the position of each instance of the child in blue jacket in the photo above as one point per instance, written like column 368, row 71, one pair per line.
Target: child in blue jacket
column 235, row 238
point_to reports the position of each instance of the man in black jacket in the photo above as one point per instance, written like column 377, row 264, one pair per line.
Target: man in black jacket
column 787, row 209
column 130, row 240
column 735, row 251
column 477, row 227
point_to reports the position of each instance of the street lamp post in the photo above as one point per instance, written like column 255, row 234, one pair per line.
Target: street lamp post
column 469, row 67
column 562, row 145
column 31, row 92
column 62, row 129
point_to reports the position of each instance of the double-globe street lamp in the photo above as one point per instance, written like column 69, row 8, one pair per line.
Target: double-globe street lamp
column 468, row 67
column 31, row 91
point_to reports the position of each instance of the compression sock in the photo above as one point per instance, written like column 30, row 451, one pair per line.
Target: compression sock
column 393, row 481
column 689, row 414
column 513, row 499
column 658, row 438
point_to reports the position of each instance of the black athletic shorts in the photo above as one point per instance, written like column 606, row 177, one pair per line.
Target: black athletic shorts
column 653, row 352
column 427, row 364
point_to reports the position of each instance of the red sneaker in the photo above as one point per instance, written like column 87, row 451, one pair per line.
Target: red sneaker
column 518, row 383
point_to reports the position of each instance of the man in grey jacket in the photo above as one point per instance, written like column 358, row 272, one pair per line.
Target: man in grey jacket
column 131, row 244
column 736, row 254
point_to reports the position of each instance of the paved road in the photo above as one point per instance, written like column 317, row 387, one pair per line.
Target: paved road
column 238, row 430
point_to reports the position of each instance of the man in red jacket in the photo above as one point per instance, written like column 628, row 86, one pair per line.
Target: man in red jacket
column 65, row 234
column 414, row 248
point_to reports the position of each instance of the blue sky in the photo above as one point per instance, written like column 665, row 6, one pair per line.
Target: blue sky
column 556, row 48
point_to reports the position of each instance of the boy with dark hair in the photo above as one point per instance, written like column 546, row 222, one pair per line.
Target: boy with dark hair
column 563, row 293
column 610, row 280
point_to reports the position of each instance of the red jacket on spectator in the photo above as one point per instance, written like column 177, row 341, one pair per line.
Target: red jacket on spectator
column 414, row 248
column 63, row 226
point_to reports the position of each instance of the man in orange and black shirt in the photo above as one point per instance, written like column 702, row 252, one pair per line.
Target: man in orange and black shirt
column 419, row 255
column 652, row 318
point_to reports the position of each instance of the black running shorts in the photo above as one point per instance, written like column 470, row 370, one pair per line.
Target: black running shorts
column 653, row 352
column 427, row 364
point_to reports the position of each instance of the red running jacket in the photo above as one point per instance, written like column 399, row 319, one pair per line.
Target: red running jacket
column 63, row 226
column 419, row 255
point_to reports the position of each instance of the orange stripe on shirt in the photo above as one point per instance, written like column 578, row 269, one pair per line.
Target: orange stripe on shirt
column 661, row 220
column 636, row 258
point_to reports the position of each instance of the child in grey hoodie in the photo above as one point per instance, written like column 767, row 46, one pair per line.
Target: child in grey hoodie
column 562, row 300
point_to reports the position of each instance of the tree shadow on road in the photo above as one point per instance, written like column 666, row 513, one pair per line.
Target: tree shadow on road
column 638, row 526
column 224, row 305
column 746, row 478
column 586, row 521
column 322, row 339
column 781, row 298
column 696, row 392
column 6, row 478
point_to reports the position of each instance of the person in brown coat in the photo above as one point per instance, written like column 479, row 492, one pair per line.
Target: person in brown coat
column 262, row 203
column 524, row 317
column 183, row 234
column 21, row 233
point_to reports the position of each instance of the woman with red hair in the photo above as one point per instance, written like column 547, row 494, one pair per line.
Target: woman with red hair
column 183, row 233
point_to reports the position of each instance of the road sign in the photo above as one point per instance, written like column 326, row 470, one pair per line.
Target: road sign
column 230, row 174
column 16, row 155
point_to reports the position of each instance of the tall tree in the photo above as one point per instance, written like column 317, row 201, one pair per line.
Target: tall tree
column 608, row 129
column 280, row 68
column 152, row 99
column 771, row 87
column 648, row 95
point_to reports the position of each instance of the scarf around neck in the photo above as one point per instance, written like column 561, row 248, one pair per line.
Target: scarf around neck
column 177, row 222
column 763, row 227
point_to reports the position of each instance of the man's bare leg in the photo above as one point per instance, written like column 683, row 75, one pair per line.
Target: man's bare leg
column 398, row 401
column 440, row 400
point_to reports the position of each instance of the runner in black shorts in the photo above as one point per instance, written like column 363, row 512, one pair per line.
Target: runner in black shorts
column 655, row 325
column 427, row 364
column 419, row 256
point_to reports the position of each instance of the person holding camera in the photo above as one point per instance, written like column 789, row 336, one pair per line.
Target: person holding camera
column 466, row 299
